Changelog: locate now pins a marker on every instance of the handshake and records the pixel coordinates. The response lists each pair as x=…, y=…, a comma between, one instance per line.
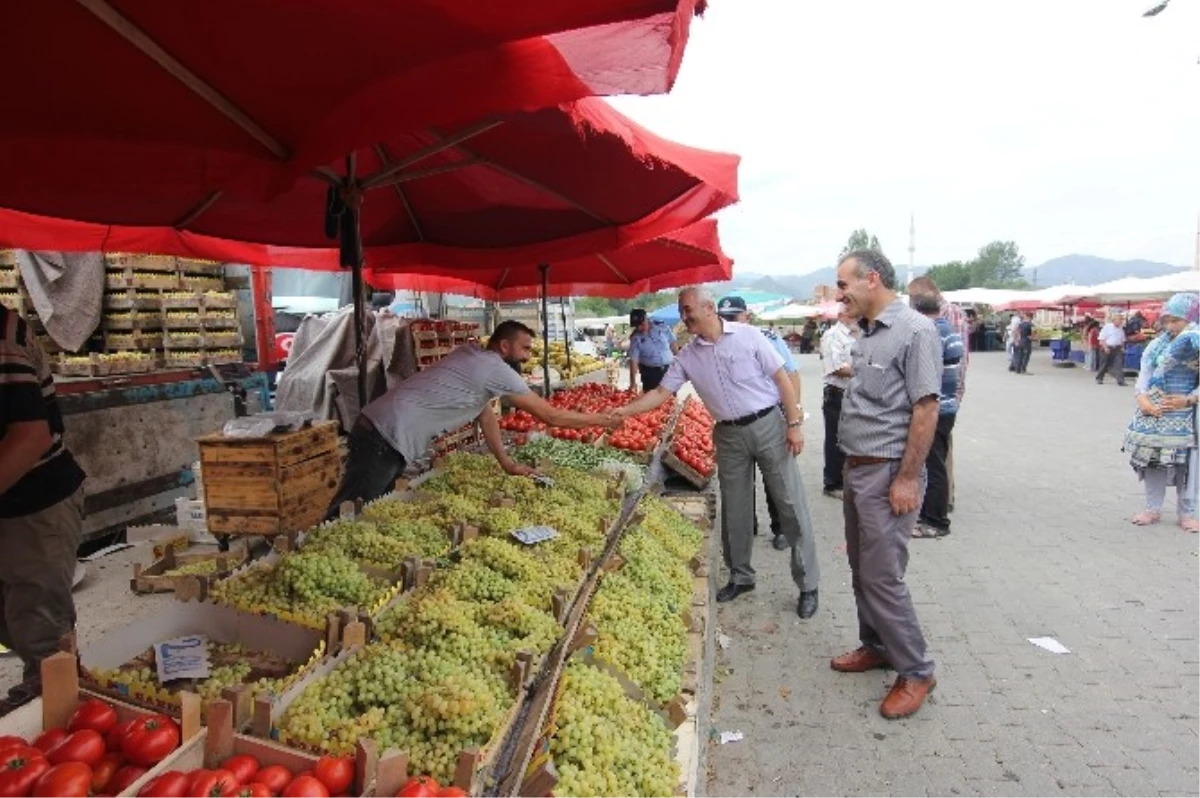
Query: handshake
x=609, y=420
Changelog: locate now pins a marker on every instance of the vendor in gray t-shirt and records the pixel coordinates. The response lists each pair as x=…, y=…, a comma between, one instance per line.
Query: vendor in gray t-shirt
x=397, y=428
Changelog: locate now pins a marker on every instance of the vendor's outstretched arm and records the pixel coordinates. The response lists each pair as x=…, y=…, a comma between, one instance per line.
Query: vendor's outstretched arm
x=645, y=402
x=542, y=410
x=495, y=443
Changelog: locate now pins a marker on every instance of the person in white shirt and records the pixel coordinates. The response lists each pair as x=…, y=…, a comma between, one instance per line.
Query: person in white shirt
x=1112, y=350
x=1014, y=332
x=835, y=355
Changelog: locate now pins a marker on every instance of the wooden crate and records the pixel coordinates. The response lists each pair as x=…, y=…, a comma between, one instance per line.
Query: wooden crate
x=9, y=278
x=153, y=578
x=270, y=485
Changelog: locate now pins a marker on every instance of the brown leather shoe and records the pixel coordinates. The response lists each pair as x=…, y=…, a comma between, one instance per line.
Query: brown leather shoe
x=860, y=660
x=906, y=697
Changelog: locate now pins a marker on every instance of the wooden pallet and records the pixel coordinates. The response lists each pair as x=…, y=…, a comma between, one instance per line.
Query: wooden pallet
x=136, y=340
x=116, y=279
x=115, y=261
x=132, y=299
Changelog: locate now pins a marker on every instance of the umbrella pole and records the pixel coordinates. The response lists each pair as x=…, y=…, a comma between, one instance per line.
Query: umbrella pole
x=351, y=251
x=562, y=305
x=545, y=270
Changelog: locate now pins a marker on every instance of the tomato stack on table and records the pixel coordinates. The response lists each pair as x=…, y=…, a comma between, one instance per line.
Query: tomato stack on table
x=93, y=755
x=243, y=774
x=693, y=443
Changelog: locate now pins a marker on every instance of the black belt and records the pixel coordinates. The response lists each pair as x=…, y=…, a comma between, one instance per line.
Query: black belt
x=750, y=419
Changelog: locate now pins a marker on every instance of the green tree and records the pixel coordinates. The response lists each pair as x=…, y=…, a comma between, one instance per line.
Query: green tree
x=998, y=265
x=860, y=239
x=951, y=276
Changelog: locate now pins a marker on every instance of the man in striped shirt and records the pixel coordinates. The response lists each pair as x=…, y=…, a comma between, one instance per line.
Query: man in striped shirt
x=889, y=415
x=41, y=505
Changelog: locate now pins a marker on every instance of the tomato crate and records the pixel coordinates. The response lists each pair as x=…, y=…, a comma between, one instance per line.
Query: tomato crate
x=62, y=695
x=672, y=461
x=270, y=485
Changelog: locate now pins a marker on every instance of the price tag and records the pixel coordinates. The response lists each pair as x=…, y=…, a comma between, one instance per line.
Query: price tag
x=530, y=535
x=542, y=480
x=182, y=658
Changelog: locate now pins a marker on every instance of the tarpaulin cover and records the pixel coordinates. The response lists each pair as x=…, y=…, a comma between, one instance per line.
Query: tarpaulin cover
x=538, y=187
x=685, y=257
x=134, y=112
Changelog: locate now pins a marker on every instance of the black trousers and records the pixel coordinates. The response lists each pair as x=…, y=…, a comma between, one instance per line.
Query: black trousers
x=935, y=510
x=371, y=469
x=651, y=376
x=1114, y=362
x=1023, y=352
x=835, y=459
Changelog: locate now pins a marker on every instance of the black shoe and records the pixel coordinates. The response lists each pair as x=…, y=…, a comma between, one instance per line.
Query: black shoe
x=833, y=493
x=732, y=591
x=779, y=542
x=807, y=607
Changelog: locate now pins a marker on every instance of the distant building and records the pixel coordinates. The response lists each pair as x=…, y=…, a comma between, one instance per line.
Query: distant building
x=824, y=293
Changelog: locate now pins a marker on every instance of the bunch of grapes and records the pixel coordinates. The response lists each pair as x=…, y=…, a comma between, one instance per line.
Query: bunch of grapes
x=315, y=575
x=676, y=533
x=607, y=744
x=362, y=541
x=641, y=635
x=426, y=702
x=197, y=568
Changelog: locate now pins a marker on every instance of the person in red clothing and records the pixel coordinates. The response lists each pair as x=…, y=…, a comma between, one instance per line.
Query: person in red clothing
x=41, y=506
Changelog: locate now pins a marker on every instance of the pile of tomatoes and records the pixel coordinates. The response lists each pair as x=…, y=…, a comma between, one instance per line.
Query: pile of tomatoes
x=693, y=443
x=243, y=774
x=93, y=755
x=520, y=421
x=427, y=787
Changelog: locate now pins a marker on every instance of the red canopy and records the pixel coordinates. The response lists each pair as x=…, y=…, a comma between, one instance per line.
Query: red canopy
x=521, y=189
x=685, y=257
x=136, y=112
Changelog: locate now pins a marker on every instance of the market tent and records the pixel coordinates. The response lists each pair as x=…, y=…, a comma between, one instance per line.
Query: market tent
x=982, y=296
x=146, y=113
x=797, y=310
x=1046, y=298
x=1135, y=289
x=686, y=256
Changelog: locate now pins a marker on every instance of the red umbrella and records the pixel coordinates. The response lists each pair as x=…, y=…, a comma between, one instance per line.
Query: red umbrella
x=526, y=188
x=138, y=112
x=685, y=257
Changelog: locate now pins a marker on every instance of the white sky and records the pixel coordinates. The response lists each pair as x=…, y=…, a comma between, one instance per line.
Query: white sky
x=1068, y=126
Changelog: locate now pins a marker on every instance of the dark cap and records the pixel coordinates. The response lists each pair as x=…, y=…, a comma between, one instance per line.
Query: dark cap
x=730, y=307
x=637, y=316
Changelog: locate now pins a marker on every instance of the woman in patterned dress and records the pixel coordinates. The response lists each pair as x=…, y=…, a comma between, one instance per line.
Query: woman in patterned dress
x=1161, y=440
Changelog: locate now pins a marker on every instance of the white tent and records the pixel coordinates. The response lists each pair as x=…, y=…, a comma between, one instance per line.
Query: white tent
x=982, y=296
x=792, y=310
x=1134, y=289
x=1052, y=297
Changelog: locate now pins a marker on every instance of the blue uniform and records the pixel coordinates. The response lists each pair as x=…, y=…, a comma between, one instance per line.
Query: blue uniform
x=789, y=363
x=653, y=347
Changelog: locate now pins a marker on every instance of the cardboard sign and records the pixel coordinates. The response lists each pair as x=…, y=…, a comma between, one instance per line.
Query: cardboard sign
x=182, y=658
x=534, y=534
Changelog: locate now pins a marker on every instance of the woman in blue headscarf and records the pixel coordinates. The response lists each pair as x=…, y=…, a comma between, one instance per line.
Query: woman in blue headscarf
x=1161, y=440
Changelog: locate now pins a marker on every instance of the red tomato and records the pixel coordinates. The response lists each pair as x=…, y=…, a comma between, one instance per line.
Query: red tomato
x=420, y=787
x=124, y=778
x=103, y=772
x=305, y=787
x=242, y=766
x=150, y=739
x=255, y=790
x=335, y=772
x=112, y=740
x=67, y=779
x=8, y=741
x=49, y=738
x=94, y=714
x=212, y=783
x=85, y=745
x=452, y=792
x=275, y=777
x=172, y=784
x=20, y=768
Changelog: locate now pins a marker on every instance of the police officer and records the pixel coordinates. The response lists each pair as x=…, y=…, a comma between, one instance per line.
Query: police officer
x=733, y=308
x=652, y=349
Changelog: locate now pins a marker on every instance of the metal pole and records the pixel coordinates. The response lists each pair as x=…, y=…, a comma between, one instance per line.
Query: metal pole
x=352, y=256
x=562, y=304
x=545, y=270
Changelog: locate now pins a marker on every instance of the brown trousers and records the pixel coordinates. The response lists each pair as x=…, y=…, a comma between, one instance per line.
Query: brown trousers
x=37, y=569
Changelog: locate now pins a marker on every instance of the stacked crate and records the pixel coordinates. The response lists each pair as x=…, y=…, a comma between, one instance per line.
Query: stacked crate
x=14, y=295
x=270, y=485
x=434, y=339
x=200, y=328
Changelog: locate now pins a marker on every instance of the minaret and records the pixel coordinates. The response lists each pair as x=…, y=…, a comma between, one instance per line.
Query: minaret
x=912, y=246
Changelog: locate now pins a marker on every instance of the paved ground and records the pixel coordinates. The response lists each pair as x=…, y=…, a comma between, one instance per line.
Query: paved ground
x=1041, y=545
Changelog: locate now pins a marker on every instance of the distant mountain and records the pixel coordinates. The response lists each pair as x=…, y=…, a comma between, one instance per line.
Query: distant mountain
x=1077, y=269
x=1091, y=270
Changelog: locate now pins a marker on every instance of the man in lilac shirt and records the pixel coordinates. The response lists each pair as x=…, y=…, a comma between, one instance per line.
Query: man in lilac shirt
x=741, y=380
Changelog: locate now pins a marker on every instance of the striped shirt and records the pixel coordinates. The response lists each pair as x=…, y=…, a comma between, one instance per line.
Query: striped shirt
x=897, y=362
x=953, y=356
x=27, y=394
x=961, y=325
